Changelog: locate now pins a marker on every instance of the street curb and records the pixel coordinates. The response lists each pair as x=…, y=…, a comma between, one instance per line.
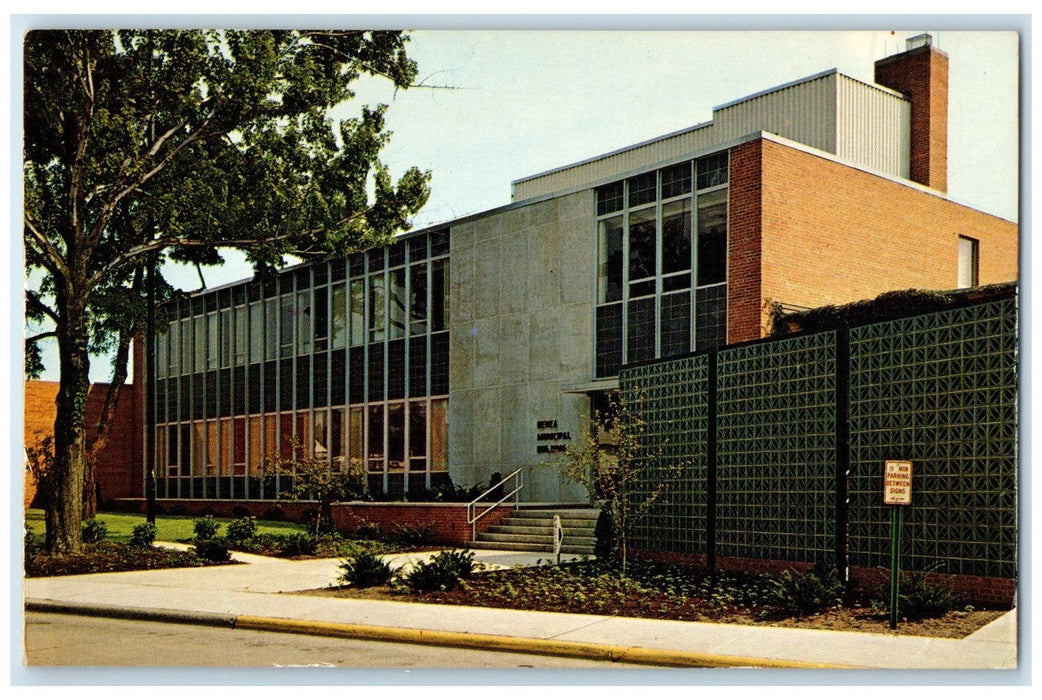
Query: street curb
x=466, y=640
x=184, y=617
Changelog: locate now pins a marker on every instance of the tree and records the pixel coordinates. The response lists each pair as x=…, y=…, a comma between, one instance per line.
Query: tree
x=622, y=470
x=311, y=479
x=177, y=144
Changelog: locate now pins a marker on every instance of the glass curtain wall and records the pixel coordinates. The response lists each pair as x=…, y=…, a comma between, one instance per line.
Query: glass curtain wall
x=661, y=264
x=344, y=361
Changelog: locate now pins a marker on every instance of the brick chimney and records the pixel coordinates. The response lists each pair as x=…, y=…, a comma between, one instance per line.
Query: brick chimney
x=921, y=74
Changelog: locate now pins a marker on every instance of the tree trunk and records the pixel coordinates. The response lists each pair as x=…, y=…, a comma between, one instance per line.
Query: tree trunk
x=108, y=410
x=65, y=513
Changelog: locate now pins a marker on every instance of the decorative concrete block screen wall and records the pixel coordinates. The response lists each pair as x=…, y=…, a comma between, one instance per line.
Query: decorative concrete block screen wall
x=673, y=398
x=768, y=431
x=940, y=390
x=776, y=450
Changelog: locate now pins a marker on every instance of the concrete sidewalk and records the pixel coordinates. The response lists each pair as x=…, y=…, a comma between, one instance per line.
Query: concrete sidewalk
x=260, y=595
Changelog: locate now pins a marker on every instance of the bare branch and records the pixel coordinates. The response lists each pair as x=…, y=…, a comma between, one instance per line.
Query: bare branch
x=52, y=258
x=38, y=305
x=41, y=336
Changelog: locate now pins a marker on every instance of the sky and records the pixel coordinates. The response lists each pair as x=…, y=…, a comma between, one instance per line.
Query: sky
x=497, y=106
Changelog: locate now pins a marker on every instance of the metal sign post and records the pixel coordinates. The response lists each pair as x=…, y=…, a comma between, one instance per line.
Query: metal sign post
x=897, y=492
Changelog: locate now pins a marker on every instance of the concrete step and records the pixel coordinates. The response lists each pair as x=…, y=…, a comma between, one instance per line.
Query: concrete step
x=531, y=529
x=535, y=539
x=586, y=513
x=521, y=529
x=525, y=520
x=527, y=547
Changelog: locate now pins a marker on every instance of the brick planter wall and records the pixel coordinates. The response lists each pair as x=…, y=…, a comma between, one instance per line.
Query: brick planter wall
x=443, y=523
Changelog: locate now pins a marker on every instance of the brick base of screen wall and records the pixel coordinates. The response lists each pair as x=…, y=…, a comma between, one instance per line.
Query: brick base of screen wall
x=971, y=590
x=974, y=590
x=441, y=523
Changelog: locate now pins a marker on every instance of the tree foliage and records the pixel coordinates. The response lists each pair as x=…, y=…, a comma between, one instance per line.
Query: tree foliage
x=178, y=144
x=622, y=470
x=310, y=478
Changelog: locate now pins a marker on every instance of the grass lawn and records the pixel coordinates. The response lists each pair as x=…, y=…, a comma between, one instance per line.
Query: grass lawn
x=169, y=528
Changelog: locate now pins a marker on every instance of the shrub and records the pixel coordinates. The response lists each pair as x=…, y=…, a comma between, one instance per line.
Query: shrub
x=298, y=544
x=364, y=569
x=206, y=528
x=812, y=592
x=241, y=512
x=242, y=530
x=176, y=509
x=93, y=531
x=411, y=535
x=367, y=530
x=33, y=545
x=443, y=572
x=143, y=535
x=917, y=599
x=215, y=549
x=274, y=513
x=604, y=534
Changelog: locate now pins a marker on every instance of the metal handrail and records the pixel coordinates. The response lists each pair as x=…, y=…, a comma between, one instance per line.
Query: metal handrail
x=472, y=517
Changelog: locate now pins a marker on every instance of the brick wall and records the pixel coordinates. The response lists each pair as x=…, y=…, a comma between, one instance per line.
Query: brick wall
x=117, y=469
x=833, y=234
x=745, y=217
x=922, y=75
x=445, y=523
x=974, y=590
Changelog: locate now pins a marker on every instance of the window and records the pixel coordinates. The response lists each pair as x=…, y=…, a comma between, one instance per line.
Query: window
x=396, y=303
x=200, y=343
x=712, y=238
x=376, y=438
x=609, y=269
x=642, y=252
x=162, y=344
x=255, y=444
x=271, y=328
x=676, y=243
x=355, y=439
x=321, y=317
x=186, y=346
x=336, y=437
x=174, y=358
x=357, y=312
x=241, y=338
x=396, y=437
x=417, y=436
x=969, y=262
x=377, y=317
x=440, y=295
x=256, y=332
x=662, y=241
x=320, y=446
x=339, y=331
x=286, y=319
x=302, y=312
x=212, y=452
x=239, y=445
x=418, y=299
x=212, y=338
